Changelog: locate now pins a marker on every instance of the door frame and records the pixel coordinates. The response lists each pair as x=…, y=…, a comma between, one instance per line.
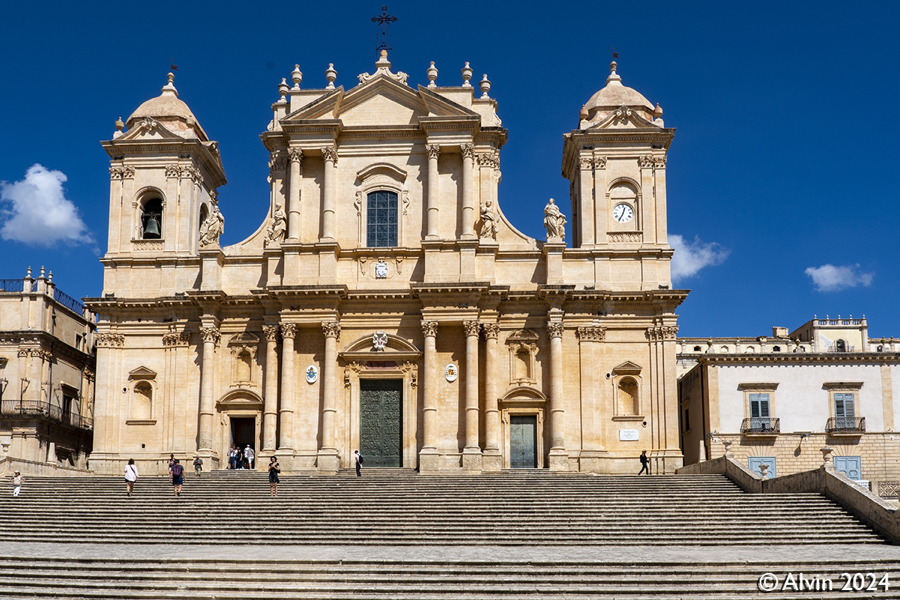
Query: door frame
x=535, y=411
x=401, y=386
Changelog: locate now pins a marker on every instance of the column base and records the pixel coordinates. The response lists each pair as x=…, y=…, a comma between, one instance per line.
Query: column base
x=328, y=461
x=558, y=460
x=491, y=461
x=429, y=460
x=472, y=460
x=592, y=461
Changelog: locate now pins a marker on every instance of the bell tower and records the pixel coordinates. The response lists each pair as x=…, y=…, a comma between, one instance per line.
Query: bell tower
x=616, y=165
x=164, y=173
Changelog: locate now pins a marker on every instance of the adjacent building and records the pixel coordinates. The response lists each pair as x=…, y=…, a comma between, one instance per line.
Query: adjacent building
x=781, y=400
x=386, y=303
x=46, y=377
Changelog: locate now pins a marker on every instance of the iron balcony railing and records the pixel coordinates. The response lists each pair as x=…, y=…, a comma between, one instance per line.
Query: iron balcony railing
x=761, y=425
x=846, y=425
x=68, y=301
x=40, y=409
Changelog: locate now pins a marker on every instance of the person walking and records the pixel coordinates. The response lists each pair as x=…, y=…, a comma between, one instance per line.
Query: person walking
x=274, y=470
x=232, y=457
x=358, y=459
x=198, y=465
x=17, y=483
x=645, y=463
x=177, y=477
x=131, y=475
x=249, y=456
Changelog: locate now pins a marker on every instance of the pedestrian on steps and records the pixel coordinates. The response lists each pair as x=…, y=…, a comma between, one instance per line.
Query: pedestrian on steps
x=645, y=463
x=274, y=470
x=17, y=480
x=177, y=477
x=131, y=475
x=198, y=465
x=249, y=456
x=358, y=459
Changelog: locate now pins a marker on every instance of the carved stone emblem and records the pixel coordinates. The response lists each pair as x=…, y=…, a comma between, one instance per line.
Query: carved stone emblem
x=381, y=270
x=379, y=341
x=451, y=372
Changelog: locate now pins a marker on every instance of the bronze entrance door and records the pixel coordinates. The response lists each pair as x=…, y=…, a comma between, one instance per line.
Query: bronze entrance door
x=380, y=418
x=523, y=441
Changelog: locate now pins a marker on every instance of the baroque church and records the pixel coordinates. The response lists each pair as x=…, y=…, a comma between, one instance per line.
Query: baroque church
x=386, y=303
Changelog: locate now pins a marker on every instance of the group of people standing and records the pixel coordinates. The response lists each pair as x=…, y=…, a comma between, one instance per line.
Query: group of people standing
x=241, y=458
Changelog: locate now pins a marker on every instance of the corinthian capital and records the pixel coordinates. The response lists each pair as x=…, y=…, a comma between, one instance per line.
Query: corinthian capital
x=271, y=332
x=433, y=150
x=295, y=154
x=591, y=334
x=555, y=329
x=491, y=330
x=471, y=327
x=331, y=329
x=429, y=328
x=210, y=334
x=288, y=330
x=329, y=153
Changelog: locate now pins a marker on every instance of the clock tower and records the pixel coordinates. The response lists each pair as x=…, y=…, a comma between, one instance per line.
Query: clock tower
x=616, y=165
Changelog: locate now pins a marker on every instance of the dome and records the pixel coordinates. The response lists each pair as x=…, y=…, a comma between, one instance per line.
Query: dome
x=613, y=96
x=171, y=110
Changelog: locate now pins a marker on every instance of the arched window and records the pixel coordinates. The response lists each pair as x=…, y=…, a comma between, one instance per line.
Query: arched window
x=381, y=219
x=151, y=218
x=628, y=397
x=143, y=401
x=841, y=346
x=696, y=348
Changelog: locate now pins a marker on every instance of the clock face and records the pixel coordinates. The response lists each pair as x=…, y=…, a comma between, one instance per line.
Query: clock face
x=623, y=213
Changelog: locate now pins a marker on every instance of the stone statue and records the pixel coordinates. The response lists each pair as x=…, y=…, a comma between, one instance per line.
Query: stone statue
x=278, y=229
x=554, y=222
x=212, y=228
x=488, y=224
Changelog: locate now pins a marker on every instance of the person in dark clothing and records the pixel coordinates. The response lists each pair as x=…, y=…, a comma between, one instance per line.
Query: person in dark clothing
x=274, y=470
x=177, y=476
x=358, y=459
x=645, y=463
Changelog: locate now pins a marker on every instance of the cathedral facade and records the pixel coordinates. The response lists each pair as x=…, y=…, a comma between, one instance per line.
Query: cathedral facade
x=386, y=303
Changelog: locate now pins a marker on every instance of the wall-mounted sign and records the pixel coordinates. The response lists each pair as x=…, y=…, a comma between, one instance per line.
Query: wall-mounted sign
x=451, y=372
x=381, y=270
x=312, y=374
x=628, y=435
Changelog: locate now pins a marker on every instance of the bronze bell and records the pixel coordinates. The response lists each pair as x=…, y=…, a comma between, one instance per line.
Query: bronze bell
x=151, y=229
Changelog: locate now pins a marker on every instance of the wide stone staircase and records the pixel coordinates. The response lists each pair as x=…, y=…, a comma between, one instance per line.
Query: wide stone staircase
x=403, y=536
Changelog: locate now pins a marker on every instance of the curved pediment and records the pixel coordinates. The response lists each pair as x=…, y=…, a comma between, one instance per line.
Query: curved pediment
x=368, y=346
x=382, y=169
x=240, y=399
x=524, y=395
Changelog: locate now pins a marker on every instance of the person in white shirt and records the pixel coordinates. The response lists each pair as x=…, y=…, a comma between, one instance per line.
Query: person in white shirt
x=249, y=456
x=17, y=483
x=131, y=475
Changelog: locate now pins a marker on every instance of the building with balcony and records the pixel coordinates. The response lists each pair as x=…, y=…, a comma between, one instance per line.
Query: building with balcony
x=779, y=400
x=46, y=377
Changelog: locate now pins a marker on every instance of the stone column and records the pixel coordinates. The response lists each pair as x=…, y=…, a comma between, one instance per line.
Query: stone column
x=468, y=191
x=472, y=450
x=286, y=409
x=429, y=405
x=329, y=458
x=296, y=157
x=329, y=153
x=492, y=460
x=431, y=229
x=558, y=456
x=210, y=336
x=270, y=408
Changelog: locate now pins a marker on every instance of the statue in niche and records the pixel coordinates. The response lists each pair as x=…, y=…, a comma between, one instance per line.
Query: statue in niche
x=278, y=229
x=488, y=224
x=212, y=228
x=554, y=222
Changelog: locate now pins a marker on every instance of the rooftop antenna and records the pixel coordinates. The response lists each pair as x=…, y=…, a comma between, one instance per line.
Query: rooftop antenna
x=383, y=21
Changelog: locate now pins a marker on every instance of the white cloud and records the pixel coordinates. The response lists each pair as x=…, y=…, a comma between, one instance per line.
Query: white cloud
x=40, y=214
x=690, y=257
x=829, y=278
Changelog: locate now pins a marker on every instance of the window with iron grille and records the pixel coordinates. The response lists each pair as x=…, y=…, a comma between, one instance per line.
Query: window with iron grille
x=381, y=219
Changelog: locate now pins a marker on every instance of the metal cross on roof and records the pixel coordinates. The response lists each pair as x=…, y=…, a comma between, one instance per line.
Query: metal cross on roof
x=383, y=21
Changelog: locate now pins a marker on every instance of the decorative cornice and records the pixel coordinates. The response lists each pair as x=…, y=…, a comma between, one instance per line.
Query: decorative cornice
x=593, y=333
x=429, y=328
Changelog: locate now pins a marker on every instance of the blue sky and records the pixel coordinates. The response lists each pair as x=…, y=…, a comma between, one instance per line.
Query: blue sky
x=781, y=178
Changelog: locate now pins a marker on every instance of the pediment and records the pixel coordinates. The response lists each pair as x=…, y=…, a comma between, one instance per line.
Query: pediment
x=522, y=335
x=393, y=345
x=623, y=118
x=627, y=367
x=148, y=128
x=142, y=373
x=243, y=339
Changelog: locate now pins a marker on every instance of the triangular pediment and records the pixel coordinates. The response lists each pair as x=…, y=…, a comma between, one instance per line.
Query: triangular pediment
x=142, y=373
x=627, y=367
x=623, y=118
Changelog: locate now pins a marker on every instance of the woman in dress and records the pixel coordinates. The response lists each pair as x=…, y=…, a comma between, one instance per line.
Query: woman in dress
x=274, y=470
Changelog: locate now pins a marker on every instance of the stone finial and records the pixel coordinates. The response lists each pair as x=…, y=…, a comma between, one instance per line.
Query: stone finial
x=28, y=272
x=50, y=276
x=330, y=76
x=296, y=77
x=485, y=86
x=283, y=89
x=169, y=88
x=120, y=124
x=658, y=111
x=466, y=73
x=613, y=76
x=383, y=62
x=432, y=74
